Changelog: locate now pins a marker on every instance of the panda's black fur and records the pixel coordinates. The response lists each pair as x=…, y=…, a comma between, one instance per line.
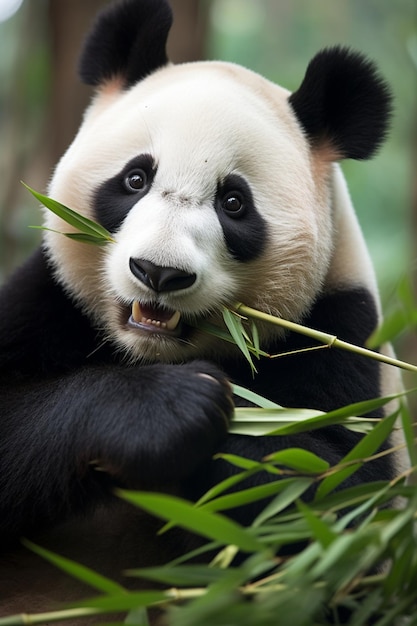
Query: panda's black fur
x=75, y=400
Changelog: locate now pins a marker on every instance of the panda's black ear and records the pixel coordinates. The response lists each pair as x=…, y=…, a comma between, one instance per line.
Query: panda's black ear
x=343, y=104
x=127, y=42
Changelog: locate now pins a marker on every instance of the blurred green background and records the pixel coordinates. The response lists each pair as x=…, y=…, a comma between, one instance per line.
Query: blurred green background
x=41, y=101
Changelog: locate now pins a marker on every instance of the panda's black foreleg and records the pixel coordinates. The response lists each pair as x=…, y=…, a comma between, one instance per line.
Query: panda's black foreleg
x=146, y=427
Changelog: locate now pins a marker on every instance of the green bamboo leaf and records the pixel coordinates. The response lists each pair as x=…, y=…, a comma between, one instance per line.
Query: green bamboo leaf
x=294, y=490
x=205, y=550
x=392, y=326
x=350, y=497
x=76, y=570
x=211, y=329
x=226, y=484
x=303, y=562
x=234, y=325
x=137, y=617
x=224, y=558
x=246, y=496
x=249, y=414
x=300, y=460
x=253, y=428
x=360, y=512
x=321, y=531
x=401, y=519
x=255, y=338
x=365, y=448
x=239, y=461
x=277, y=536
x=260, y=422
x=405, y=292
x=182, y=575
x=244, y=463
x=404, y=557
x=73, y=218
x=408, y=431
x=251, y=467
x=247, y=394
x=355, y=552
x=183, y=513
x=337, y=416
x=402, y=317
x=265, y=422
x=84, y=238
x=81, y=237
x=346, y=557
x=214, y=330
x=244, y=333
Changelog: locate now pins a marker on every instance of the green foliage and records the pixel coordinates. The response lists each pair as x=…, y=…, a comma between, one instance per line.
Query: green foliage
x=402, y=316
x=348, y=534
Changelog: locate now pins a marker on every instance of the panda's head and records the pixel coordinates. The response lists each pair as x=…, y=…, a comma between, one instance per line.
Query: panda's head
x=213, y=181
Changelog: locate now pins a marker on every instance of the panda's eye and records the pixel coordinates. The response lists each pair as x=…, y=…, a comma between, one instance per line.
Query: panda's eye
x=135, y=180
x=232, y=204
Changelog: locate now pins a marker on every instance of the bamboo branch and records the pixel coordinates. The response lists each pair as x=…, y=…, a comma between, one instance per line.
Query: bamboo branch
x=24, y=619
x=331, y=341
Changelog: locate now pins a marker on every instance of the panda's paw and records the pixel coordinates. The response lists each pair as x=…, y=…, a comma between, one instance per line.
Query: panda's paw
x=181, y=417
x=207, y=389
x=194, y=414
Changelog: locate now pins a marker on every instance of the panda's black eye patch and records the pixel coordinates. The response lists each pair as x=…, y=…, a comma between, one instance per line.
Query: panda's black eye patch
x=244, y=229
x=135, y=180
x=116, y=196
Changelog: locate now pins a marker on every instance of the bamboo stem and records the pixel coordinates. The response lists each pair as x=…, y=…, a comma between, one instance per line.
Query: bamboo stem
x=24, y=619
x=330, y=341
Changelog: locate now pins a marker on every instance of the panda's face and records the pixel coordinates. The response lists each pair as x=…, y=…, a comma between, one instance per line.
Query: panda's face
x=205, y=180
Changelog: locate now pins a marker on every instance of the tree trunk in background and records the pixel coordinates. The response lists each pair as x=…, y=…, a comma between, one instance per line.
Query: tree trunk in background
x=69, y=21
x=187, y=38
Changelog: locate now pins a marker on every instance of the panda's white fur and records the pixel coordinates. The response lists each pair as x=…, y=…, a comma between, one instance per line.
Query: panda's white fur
x=190, y=119
x=350, y=260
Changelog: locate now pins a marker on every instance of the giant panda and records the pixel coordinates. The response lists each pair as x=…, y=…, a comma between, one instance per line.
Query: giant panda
x=218, y=187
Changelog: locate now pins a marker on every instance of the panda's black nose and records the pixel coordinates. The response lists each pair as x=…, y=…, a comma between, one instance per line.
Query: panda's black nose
x=160, y=278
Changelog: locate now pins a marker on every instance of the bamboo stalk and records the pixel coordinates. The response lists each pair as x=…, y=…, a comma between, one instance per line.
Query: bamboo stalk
x=24, y=619
x=331, y=341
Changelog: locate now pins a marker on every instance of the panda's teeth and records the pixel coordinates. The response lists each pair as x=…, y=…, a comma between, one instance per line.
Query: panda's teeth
x=136, y=312
x=173, y=322
x=139, y=318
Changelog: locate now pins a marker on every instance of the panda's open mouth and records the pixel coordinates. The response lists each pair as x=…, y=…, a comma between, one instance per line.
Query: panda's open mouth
x=154, y=318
